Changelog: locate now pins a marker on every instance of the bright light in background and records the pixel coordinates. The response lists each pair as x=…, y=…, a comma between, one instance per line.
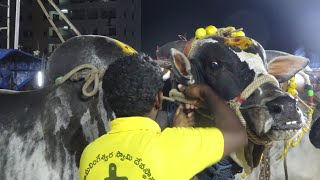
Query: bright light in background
x=65, y=27
x=64, y=10
x=40, y=79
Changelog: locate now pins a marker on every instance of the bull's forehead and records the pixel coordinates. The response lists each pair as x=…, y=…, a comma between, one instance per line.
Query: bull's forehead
x=254, y=62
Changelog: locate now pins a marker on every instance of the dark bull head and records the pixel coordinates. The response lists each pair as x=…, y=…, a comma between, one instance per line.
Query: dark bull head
x=229, y=65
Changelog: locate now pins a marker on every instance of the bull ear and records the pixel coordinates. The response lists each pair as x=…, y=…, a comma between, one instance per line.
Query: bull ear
x=181, y=67
x=272, y=54
x=284, y=67
x=181, y=62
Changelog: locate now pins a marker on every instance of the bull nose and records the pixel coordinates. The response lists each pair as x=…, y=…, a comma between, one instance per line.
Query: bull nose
x=274, y=108
x=283, y=108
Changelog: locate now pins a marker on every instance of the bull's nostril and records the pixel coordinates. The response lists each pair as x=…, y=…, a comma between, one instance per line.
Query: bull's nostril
x=275, y=109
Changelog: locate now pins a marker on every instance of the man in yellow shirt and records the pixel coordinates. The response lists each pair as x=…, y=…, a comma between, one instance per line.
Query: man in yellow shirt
x=136, y=148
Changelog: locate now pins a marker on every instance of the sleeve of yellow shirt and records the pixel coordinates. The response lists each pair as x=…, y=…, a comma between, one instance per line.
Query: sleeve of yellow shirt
x=190, y=150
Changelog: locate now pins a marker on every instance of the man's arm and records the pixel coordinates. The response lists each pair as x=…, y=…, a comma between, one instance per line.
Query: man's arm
x=234, y=133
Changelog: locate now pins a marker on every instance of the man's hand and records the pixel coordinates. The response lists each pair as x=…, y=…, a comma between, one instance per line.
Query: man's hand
x=198, y=92
x=183, y=119
x=234, y=133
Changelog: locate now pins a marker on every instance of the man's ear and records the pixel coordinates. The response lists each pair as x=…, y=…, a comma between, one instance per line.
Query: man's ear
x=284, y=67
x=159, y=100
x=181, y=67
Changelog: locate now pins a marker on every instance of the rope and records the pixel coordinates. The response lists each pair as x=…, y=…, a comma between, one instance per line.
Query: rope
x=285, y=167
x=176, y=96
x=236, y=103
x=92, y=76
x=265, y=164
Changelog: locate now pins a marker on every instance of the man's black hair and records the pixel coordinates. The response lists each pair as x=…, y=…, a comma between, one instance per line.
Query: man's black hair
x=130, y=85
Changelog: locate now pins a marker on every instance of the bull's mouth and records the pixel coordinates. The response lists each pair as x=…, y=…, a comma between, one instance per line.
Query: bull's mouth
x=287, y=126
x=286, y=130
x=277, y=128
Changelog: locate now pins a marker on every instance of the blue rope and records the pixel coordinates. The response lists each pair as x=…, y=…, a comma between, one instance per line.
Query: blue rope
x=220, y=171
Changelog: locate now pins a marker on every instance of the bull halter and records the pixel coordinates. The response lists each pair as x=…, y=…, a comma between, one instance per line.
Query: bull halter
x=238, y=101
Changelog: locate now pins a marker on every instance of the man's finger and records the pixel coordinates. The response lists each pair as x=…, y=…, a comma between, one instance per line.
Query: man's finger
x=179, y=109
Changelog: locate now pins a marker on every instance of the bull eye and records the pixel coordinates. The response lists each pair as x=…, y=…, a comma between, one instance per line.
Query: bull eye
x=214, y=65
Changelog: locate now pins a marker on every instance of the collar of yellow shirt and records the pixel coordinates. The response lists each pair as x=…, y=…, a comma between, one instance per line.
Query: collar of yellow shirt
x=133, y=123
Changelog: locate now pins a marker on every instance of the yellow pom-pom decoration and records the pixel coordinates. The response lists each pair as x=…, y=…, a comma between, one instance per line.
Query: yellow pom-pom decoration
x=211, y=30
x=293, y=92
x=238, y=33
x=200, y=33
x=293, y=85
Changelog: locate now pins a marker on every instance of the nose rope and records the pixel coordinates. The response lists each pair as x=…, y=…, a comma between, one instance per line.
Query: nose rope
x=237, y=102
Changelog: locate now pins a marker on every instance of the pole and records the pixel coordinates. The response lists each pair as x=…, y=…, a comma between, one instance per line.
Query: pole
x=17, y=24
x=8, y=25
x=50, y=20
x=64, y=17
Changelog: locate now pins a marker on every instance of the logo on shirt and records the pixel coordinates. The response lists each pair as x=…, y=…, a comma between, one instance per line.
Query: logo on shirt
x=113, y=173
x=124, y=157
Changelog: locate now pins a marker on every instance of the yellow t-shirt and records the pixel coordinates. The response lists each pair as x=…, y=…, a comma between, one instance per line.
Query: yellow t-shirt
x=135, y=148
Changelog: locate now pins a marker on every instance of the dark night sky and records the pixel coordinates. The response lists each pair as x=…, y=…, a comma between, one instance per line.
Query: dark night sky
x=285, y=25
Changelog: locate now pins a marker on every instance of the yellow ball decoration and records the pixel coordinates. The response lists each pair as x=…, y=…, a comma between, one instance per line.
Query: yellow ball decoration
x=238, y=34
x=211, y=30
x=293, y=85
x=200, y=33
x=293, y=92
